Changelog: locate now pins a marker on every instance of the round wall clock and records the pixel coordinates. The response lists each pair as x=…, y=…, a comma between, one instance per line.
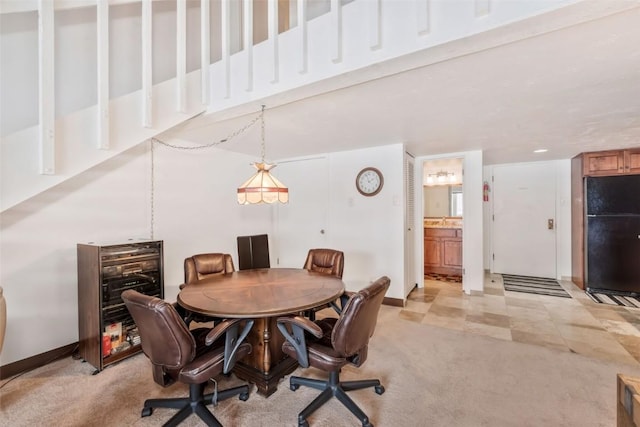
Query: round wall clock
x=369, y=181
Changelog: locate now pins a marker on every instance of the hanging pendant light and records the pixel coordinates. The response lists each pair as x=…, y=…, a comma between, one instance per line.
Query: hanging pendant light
x=262, y=187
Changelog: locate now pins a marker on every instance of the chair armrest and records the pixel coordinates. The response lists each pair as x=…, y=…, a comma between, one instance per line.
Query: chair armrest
x=233, y=339
x=298, y=325
x=218, y=330
x=344, y=298
x=303, y=323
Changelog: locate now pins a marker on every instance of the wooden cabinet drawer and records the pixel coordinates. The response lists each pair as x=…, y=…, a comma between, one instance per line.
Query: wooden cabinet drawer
x=440, y=232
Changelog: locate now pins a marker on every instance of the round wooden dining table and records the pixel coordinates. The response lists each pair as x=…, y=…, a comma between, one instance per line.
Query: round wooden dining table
x=263, y=295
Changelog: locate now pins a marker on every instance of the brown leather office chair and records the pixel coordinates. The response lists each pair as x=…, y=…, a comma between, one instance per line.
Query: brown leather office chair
x=191, y=357
x=330, y=344
x=325, y=261
x=201, y=266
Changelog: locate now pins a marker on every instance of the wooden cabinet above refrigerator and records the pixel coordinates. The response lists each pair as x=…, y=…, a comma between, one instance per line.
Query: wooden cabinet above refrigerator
x=614, y=162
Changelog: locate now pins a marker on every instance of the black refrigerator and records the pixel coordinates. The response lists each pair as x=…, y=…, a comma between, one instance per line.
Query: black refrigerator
x=613, y=234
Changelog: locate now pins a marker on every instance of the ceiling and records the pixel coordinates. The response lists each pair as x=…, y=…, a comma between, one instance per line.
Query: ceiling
x=571, y=90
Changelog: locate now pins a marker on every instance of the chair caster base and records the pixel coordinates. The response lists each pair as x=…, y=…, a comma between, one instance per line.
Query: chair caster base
x=146, y=412
x=243, y=396
x=379, y=389
x=294, y=387
x=303, y=423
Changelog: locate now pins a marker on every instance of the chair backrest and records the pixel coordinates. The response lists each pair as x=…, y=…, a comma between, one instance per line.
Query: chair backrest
x=200, y=266
x=164, y=337
x=327, y=261
x=358, y=320
x=253, y=252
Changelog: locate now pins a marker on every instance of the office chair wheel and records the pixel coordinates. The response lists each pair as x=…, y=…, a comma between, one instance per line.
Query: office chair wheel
x=379, y=389
x=303, y=423
x=294, y=387
x=243, y=396
x=146, y=412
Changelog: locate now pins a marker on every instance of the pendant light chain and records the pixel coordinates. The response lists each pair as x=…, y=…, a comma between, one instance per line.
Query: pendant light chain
x=215, y=143
x=194, y=147
x=262, y=132
x=152, y=190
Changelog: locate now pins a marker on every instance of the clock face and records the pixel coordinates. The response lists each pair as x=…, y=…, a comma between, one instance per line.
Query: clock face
x=369, y=181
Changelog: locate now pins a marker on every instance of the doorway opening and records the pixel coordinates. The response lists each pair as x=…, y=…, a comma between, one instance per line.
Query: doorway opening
x=442, y=181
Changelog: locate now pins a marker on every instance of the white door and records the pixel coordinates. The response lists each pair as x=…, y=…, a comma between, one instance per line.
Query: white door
x=524, y=229
x=409, y=224
x=301, y=224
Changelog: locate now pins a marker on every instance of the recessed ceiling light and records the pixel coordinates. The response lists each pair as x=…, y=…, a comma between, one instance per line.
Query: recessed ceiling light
x=540, y=150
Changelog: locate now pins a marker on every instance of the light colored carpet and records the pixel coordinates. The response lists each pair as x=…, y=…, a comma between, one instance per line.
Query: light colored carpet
x=432, y=376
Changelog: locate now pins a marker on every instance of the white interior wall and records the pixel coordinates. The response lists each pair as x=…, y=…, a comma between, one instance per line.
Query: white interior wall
x=472, y=232
x=563, y=218
x=486, y=218
x=195, y=211
x=75, y=70
x=125, y=24
x=370, y=230
x=38, y=248
x=19, y=82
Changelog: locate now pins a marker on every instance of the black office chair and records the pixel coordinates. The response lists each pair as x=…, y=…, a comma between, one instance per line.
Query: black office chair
x=253, y=252
x=190, y=357
x=330, y=344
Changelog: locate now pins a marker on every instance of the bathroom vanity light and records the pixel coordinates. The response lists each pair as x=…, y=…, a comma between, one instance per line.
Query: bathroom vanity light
x=441, y=177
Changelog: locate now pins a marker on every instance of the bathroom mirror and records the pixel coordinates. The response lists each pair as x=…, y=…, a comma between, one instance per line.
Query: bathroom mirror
x=442, y=200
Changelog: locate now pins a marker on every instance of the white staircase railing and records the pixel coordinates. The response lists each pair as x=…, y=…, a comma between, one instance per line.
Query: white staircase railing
x=145, y=59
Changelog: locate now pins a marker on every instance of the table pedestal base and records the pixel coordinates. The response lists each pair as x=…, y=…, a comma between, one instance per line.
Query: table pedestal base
x=267, y=383
x=266, y=364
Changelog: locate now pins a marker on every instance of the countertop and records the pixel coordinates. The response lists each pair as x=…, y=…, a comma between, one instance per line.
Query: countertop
x=443, y=222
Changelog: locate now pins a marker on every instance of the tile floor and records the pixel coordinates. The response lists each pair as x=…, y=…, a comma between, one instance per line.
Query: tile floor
x=574, y=324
